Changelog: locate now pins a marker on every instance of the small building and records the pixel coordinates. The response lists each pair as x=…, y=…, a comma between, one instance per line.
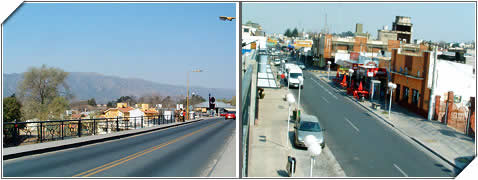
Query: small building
x=410, y=71
x=124, y=112
x=111, y=113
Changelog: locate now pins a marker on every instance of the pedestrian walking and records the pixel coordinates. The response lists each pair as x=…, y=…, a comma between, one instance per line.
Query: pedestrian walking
x=282, y=78
x=184, y=115
x=181, y=115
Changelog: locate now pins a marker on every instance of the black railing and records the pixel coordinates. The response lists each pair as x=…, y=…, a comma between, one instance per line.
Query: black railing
x=20, y=133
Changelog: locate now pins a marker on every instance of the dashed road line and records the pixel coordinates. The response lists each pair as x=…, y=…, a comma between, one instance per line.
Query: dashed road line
x=324, y=88
x=351, y=124
x=401, y=171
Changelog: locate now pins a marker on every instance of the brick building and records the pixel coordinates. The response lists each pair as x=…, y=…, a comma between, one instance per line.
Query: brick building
x=410, y=72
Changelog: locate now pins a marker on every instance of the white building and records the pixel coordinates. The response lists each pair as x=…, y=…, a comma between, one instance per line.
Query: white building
x=457, y=77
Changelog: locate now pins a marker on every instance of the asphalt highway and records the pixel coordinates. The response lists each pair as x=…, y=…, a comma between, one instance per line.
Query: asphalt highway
x=184, y=151
x=364, y=145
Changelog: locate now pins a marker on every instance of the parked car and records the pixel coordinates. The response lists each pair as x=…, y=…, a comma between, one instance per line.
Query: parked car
x=308, y=125
x=231, y=115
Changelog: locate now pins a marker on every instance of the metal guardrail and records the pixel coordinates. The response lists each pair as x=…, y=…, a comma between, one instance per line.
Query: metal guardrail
x=20, y=133
x=246, y=101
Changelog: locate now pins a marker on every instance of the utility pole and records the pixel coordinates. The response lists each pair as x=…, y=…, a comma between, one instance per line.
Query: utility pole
x=432, y=89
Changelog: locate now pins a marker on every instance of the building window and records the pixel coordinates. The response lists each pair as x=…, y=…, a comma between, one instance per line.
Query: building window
x=405, y=94
x=415, y=96
x=246, y=29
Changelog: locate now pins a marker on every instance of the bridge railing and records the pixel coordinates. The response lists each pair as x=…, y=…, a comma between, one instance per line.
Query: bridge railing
x=20, y=133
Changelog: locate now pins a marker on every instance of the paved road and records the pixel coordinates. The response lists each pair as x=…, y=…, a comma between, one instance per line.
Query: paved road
x=363, y=145
x=183, y=151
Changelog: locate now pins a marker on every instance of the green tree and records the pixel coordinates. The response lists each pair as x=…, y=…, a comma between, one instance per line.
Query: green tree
x=40, y=86
x=193, y=100
x=127, y=99
x=295, y=33
x=110, y=104
x=57, y=108
x=92, y=102
x=287, y=33
x=168, y=102
x=11, y=109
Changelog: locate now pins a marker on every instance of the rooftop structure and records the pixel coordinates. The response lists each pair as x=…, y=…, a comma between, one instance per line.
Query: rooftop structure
x=403, y=27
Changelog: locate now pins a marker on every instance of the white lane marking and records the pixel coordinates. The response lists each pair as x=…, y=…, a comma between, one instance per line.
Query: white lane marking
x=355, y=127
x=325, y=99
x=405, y=174
x=324, y=88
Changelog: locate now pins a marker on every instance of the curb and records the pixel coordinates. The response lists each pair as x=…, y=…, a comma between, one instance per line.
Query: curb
x=412, y=138
x=87, y=142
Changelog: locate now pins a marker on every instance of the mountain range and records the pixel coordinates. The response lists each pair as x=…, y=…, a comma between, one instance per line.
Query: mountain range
x=87, y=85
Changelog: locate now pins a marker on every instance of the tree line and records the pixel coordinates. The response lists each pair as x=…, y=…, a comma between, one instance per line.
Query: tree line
x=293, y=33
x=44, y=95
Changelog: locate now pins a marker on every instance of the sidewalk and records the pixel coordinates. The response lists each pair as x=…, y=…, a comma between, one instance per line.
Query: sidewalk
x=454, y=147
x=269, y=147
x=226, y=164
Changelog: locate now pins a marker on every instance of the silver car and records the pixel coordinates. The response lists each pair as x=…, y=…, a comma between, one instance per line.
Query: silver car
x=308, y=125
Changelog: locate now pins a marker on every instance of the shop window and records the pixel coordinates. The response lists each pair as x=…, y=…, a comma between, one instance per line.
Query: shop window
x=415, y=96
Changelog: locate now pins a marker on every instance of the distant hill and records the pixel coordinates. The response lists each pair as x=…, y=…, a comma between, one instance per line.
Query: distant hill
x=106, y=88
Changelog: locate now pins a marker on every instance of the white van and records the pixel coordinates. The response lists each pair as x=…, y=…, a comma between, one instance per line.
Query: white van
x=293, y=74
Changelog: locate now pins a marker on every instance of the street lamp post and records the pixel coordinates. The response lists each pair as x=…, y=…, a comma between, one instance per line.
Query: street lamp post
x=301, y=82
x=328, y=69
x=391, y=86
x=290, y=100
x=314, y=150
x=351, y=71
x=187, y=96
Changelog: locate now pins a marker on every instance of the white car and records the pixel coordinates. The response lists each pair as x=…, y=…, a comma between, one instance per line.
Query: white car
x=293, y=75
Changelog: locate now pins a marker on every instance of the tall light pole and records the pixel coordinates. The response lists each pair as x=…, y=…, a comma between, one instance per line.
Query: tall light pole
x=290, y=100
x=301, y=82
x=314, y=150
x=187, y=96
x=391, y=86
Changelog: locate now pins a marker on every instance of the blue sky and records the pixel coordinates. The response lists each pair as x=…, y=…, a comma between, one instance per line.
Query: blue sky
x=153, y=41
x=431, y=21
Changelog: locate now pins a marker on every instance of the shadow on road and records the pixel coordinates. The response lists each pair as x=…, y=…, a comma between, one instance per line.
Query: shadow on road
x=462, y=162
x=447, y=133
x=282, y=173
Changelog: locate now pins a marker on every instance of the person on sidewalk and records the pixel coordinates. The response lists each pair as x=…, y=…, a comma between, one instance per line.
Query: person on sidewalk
x=181, y=117
x=184, y=116
x=282, y=79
